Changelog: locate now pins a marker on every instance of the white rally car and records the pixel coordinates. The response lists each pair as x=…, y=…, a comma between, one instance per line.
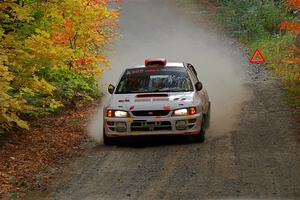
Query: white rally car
x=158, y=98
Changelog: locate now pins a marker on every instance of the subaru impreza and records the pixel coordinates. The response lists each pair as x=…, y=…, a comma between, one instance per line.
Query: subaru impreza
x=157, y=98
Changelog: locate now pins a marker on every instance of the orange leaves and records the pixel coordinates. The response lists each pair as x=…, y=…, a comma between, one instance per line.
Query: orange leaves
x=292, y=60
x=293, y=27
x=83, y=61
x=289, y=26
x=77, y=11
x=62, y=33
x=294, y=3
x=60, y=38
x=89, y=60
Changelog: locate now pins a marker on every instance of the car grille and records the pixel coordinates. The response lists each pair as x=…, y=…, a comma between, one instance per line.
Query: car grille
x=151, y=113
x=151, y=126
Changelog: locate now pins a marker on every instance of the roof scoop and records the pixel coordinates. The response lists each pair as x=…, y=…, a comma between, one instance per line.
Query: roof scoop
x=151, y=95
x=158, y=62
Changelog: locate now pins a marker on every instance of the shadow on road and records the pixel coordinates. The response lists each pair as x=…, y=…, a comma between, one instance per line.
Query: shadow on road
x=153, y=141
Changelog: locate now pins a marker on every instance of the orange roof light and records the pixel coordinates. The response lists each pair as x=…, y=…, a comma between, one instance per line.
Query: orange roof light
x=160, y=62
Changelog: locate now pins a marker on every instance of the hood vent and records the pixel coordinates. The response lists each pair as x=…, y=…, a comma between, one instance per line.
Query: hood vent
x=151, y=95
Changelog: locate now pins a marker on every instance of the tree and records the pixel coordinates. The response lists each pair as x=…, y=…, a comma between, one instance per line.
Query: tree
x=51, y=53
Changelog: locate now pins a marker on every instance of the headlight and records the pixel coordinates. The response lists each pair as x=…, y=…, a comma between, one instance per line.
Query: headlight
x=181, y=112
x=185, y=111
x=116, y=113
x=119, y=113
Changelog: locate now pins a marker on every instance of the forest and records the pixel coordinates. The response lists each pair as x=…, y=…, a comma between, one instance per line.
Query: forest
x=51, y=55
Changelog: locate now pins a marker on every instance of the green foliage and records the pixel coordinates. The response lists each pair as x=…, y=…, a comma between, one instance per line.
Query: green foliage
x=274, y=49
x=253, y=19
x=70, y=86
x=271, y=45
x=256, y=23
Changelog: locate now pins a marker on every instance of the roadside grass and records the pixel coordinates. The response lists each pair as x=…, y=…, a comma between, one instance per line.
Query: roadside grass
x=255, y=24
x=277, y=51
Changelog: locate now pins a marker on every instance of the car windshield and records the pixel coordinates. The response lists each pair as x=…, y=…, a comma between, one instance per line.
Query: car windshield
x=144, y=80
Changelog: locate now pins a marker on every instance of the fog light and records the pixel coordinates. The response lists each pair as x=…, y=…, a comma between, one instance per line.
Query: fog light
x=181, y=125
x=110, y=123
x=121, y=127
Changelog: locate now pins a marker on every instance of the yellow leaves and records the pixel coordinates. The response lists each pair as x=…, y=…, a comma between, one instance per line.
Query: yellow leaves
x=27, y=90
x=42, y=85
x=4, y=73
x=9, y=117
x=49, y=35
x=10, y=7
x=9, y=105
x=45, y=52
x=42, y=33
x=55, y=104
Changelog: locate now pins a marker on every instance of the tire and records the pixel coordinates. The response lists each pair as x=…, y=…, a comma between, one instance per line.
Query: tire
x=107, y=140
x=201, y=136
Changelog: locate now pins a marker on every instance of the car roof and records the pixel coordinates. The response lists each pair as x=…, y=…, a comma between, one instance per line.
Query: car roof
x=169, y=64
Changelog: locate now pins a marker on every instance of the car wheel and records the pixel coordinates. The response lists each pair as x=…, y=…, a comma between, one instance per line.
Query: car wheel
x=200, y=137
x=107, y=140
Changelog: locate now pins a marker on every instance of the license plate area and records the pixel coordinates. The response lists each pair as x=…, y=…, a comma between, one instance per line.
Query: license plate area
x=144, y=125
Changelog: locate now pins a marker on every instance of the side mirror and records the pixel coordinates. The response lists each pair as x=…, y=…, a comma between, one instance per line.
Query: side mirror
x=198, y=86
x=111, y=89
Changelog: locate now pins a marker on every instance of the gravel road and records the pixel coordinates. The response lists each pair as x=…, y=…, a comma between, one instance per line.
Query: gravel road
x=252, y=149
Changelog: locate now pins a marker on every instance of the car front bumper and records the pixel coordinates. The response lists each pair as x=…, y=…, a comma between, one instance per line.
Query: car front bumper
x=143, y=126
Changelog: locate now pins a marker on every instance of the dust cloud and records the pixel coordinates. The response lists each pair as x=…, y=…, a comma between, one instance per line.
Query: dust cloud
x=159, y=28
x=95, y=126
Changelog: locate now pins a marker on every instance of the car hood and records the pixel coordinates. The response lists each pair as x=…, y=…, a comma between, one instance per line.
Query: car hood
x=149, y=101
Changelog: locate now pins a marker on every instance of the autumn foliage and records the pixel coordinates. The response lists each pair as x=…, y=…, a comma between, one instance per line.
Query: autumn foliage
x=51, y=53
x=273, y=27
x=291, y=26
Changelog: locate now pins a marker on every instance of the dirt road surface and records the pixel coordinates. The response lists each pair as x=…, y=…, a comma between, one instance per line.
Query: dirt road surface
x=252, y=149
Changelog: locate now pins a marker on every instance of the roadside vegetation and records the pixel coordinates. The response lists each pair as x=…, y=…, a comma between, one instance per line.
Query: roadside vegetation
x=51, y=54
x=271, y=26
